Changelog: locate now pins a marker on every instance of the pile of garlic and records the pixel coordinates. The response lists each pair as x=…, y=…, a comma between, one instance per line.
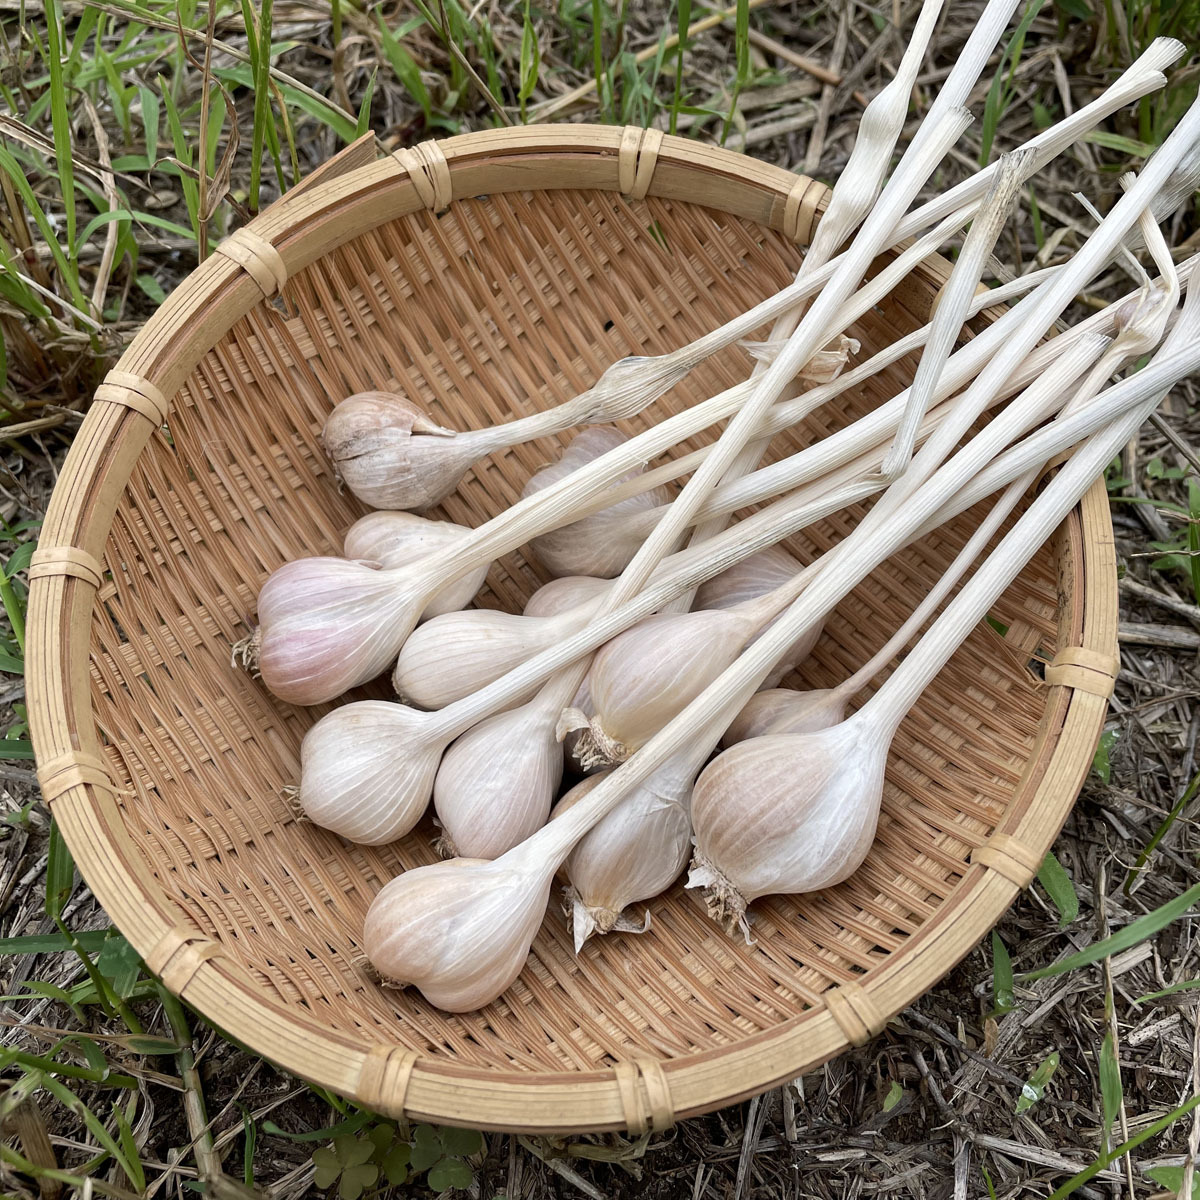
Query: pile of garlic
x=645, y=673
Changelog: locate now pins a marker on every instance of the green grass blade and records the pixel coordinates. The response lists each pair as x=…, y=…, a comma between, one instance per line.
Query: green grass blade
x=1184, y=985
x=1059, y=888
x=52, y=12
x=683, y=21
x=1131, y=935
x=1002, y=977
x=1153, y=1130
x=364, y=110
x=1161, y=832
x=404, y=67
x=1110, y=1084
x=129, y=1147
x=60, y=874
x=51, y=943
x=531, y=61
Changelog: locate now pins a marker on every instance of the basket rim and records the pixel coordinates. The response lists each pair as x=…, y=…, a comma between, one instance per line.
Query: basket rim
x=387, y=1076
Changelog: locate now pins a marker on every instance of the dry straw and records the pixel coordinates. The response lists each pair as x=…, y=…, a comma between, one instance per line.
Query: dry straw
x=164, y=766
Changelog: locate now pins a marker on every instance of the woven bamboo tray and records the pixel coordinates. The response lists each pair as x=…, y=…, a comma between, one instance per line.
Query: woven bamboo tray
x=489, y=275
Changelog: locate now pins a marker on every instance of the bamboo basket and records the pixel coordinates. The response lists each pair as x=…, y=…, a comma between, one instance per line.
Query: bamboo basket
x=487, y=275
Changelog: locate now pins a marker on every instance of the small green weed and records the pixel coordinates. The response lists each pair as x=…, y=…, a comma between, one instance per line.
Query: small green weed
x=1035, y=1087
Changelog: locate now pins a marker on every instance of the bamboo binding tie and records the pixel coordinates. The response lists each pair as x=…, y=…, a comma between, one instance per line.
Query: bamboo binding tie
x=800, y=209
x=855, y=1012
x=637, y=157
x=1009, y=857
x=178, y=955
x=73, y=769
x=132, y=391
x=1085, y=670
x=260, y=260
x=48, y=561
x=383, y=1080
x=645, y=1095
x=429, y=172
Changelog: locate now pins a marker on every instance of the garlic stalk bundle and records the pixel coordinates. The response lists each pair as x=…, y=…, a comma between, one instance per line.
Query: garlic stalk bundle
x=796, y=813
x=393, y=539
x=454, y=655
x=633, y=854
x=603, y=543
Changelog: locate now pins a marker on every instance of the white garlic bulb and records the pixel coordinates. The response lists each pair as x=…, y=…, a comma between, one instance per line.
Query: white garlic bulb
x=603, y=544
x=459, y=930
x=497, y=782
x=647, y=675
x=565, y=593
x=353, y=781
x=633, y=854
x=786, y=813
x=784, y=710
x=455, y=655
x=391, y=455
x=747, y=580
x=393, y=539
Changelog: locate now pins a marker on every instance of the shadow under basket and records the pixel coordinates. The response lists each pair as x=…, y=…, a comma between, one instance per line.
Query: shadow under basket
x=488, y=276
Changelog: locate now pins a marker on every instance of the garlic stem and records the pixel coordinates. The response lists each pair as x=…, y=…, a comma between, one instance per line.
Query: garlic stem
x=954, y=300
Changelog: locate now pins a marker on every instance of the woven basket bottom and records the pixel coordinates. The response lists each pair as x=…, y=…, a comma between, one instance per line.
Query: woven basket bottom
x=499, y=306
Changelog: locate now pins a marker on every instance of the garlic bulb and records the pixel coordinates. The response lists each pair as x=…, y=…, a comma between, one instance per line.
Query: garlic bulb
x=458, y=930
x=497, y=782
x=602, y=544
x=647, y=675
x=633, y=854
x=785, y=813
x=565, y=593
x=388, y=452
x=352, y=780
x=456, y=654
x=393, y=539
x=784, y=710
x=747, y=580
x=321, y=624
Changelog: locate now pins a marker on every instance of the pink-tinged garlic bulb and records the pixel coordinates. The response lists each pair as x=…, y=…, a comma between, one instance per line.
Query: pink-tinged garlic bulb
x=355, y=783
x=325, y=625
x=394, y=539
x=784, y=814
x=633, y=854
x=784, y=710
x=747, y=580
x=388, y=452
x=603, y=544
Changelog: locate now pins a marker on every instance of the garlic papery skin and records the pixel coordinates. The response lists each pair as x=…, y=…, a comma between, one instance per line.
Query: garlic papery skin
x=602, y=544
x=633, y=854
x=326, y=625
x=784, y=814
x=497, y=782
x=786, y=710
x=366, y=770
x=565, y=593
x=460, y=930
x=455, y=655
x=394, y=539
x=389, y=453
x=645, y=676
